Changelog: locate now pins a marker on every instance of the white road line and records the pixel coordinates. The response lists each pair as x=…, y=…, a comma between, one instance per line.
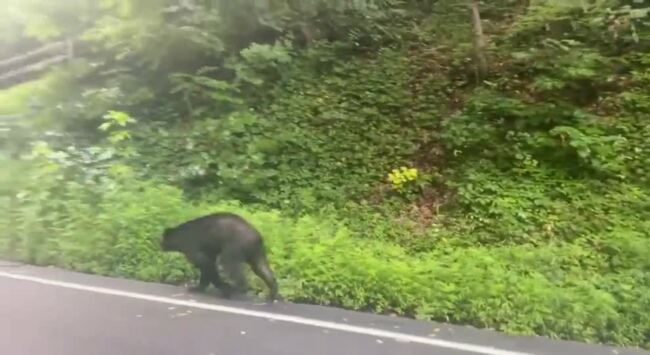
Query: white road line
x=478, y=349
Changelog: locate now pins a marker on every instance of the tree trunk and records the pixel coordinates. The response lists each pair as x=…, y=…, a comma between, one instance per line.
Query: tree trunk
x=479, y=43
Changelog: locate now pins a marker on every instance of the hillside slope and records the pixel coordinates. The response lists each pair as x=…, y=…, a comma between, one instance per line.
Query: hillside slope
x=385, y=175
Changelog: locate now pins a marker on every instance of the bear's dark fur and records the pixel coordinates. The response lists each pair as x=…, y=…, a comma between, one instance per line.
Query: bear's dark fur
x=225, y=236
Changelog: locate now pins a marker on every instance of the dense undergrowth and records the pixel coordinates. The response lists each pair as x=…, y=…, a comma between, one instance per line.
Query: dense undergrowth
x=382, y=173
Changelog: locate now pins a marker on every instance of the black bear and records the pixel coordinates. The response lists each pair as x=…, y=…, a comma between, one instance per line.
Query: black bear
x=225, y=236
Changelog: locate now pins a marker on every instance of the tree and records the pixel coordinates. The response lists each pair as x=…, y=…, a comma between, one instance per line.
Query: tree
x=480, y=57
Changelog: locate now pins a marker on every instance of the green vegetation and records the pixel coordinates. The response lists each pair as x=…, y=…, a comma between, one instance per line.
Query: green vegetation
x=15, y=99
x=385, y=172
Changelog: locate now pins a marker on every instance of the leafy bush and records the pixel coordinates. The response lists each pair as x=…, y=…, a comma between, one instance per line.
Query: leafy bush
x=561, y=290
x=307, y=147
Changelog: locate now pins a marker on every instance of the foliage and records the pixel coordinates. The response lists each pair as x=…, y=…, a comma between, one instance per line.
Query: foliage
x=286, y=153
x=558, y=289
x=523, y=204
x=398, y=177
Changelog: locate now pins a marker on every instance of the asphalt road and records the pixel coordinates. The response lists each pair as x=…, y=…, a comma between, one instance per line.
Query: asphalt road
x=47, y=311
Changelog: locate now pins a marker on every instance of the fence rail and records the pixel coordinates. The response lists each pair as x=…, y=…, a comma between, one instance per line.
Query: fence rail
x=20, y=68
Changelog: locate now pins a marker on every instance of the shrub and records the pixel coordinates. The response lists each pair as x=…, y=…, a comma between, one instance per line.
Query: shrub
x=562, y=290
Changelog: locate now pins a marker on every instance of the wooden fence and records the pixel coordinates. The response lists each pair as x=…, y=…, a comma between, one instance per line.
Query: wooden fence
x=24, y=67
